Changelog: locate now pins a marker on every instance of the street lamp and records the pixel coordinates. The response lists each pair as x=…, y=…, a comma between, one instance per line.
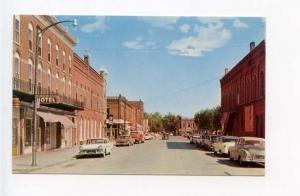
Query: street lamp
x=38, y=39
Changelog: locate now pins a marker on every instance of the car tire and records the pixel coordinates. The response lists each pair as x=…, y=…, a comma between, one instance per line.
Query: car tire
x=241, y=163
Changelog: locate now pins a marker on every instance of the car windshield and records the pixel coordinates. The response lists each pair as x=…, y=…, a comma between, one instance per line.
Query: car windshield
x=229, y=139
x=95, y=141
x=254, y=143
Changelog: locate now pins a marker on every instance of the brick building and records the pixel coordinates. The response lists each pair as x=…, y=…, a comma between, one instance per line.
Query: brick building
x=54, y=80
x=127, y=115
x=243, y=95
x=70, y=91
x=187, y=125
x=89, y=90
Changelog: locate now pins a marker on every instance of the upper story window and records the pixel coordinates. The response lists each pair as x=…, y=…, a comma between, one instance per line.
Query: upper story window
x=17, y=65
x=30, y=69
x=57, y=83
x=30, y=36
x=262, y=83
x=17, y=29
x=70, y=64
x=56, y=55
x=40, y=42
x=64, y=60
x=49, y=81
x=49, y=50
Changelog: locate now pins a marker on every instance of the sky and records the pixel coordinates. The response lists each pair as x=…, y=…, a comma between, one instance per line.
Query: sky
x=173, y=64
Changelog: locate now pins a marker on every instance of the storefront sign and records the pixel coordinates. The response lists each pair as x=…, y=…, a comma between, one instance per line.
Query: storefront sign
x=48, y=100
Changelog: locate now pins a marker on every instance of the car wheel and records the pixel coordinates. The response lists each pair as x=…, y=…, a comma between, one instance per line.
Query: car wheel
x=241, y=161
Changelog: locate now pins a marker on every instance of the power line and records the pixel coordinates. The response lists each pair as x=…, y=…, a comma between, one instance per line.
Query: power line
x=183, y=89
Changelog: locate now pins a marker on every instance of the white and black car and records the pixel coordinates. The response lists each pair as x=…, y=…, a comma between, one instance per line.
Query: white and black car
x=93, y=147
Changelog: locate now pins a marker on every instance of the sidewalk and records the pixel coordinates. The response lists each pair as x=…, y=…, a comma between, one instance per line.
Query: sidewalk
x=22, y=164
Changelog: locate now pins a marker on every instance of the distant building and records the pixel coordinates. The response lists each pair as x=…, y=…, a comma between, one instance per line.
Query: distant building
x=187, y=125
x=243, y=95
x=127, y=116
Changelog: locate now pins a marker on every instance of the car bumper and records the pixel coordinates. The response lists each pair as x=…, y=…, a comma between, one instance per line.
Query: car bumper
x=254, y=160
x=123, y=144
x=90, y=153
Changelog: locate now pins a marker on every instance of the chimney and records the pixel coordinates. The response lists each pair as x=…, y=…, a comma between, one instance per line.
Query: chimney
x=252, y=45
x=226, y=71
x=86, y=59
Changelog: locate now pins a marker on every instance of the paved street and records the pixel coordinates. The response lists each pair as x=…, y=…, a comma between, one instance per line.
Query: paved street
x=173, y=157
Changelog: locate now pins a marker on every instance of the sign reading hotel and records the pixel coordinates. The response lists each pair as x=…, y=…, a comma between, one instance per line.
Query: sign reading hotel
x=48, y=100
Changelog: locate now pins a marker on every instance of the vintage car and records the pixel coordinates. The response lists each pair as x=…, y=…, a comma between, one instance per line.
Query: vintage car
x=138, y=136
x=223, y=143
x=98, y=146
x=248, y=149
x=125, y=140
x=194, y=138
x=149, y=136
x=199, y=140
x=208, y=141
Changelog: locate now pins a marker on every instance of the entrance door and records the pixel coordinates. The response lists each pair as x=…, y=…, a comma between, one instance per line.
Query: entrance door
x=53, y=133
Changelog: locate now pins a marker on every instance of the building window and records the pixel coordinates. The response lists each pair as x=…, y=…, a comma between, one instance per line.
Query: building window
x=262, y=83
x=30, y=69
x=64, y=86
x=57, y=83
x=39, y=78
x=39, y=42
x=30, y=36
x=17, y=28
x=56, y=55
x=49, y=51
x=17, y=65
x=70, y=88
x=64, y=60
x=70, y=64
x=28, y=129
x=49, y=81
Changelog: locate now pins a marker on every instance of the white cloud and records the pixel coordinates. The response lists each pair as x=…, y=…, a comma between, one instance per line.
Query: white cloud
x=138, y=44
x=237, y=23
x=184, y=28
x=212, y=22
x=207, y=39
x=159, y=21
x=99, y=24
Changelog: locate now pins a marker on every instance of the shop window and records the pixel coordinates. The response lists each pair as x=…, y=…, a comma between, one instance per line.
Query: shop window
x=28, y=130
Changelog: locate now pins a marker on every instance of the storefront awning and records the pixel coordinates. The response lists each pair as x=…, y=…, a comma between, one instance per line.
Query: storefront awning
x=50, y=117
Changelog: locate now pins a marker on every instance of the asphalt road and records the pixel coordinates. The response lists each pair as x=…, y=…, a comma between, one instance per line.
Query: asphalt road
x=156, y=157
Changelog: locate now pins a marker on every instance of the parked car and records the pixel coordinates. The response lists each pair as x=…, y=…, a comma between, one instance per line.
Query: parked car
x=194, y=138
x=248, y=149
x=199, y=140
x=208, y=141
x=223, y=143
x=138, y=136
x=149, y=136
x=125, y=140
x=98, y=146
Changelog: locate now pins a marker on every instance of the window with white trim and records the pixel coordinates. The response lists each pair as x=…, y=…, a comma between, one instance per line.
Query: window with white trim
x=56, y=55
x=17, y=29
x=30, y=36
x=70, y=64
x=17, y=65
x=49, y=50
x=64, y=60
x=57, y=83
x=40, y=42
x=30, y=69
x=39, y=78
x=49, y=81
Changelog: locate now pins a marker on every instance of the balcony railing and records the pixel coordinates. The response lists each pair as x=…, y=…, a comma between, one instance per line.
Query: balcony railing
x=27, y=87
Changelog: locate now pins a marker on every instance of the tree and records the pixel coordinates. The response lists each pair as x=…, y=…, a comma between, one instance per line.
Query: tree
x=155, y=121
x=208, y=119
x=171, y=123
x=216, y=118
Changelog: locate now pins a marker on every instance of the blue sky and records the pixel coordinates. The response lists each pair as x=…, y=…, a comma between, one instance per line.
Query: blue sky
x=173, y=64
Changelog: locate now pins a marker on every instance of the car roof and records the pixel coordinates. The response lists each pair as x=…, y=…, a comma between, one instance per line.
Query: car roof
x=230, y=136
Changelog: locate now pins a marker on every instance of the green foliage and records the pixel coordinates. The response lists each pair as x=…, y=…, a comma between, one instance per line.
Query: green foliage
x=209, y=119
x=171, y=123
x=155, y=121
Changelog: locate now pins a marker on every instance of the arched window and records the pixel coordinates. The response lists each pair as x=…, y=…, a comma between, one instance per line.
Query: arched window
x=64, y=60
x=49, y=50
x=17, y=65
x=57, y=83
x=30, y=36
x=39, y=78
x=70, y=64
x=64, y=85
x=70, y=88
x=56, y=55
x=40, y=42
x=30, y=70
x=49, y=81
x=17, y=29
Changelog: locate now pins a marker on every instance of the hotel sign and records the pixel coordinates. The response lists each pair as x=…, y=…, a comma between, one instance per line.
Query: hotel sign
x=48, y=100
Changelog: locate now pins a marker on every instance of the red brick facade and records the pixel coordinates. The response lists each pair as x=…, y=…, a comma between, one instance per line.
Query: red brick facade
x=243, y=95
x=187, y=125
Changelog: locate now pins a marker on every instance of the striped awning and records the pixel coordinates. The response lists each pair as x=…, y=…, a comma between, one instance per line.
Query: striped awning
x=50, y=117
